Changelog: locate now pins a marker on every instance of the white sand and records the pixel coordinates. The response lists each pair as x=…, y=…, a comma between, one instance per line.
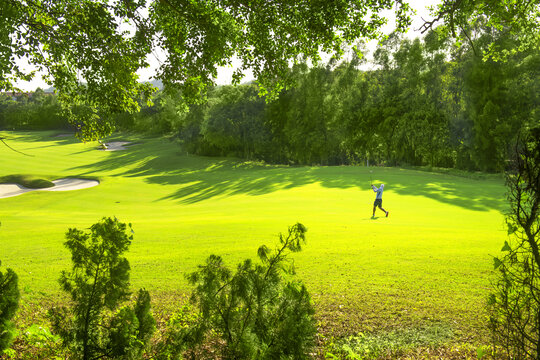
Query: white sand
x=9, y=190
x=116, y=145
x=71, y=184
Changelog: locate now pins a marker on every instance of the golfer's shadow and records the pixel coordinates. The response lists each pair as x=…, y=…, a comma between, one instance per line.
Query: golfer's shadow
x=373, y=217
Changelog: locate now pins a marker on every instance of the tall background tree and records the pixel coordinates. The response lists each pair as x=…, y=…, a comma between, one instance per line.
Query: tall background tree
x=518, y=18
x=515, y=302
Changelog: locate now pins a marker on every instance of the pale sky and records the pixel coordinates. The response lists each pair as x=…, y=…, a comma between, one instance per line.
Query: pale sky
x=225, y=73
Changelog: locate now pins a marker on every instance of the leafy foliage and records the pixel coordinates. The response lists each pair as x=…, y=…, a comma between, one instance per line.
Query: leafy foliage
x=39, y=112
x=40, y=342
x=426, y=103
x=9, y=302
x=515, y=302
x=92, y=49
x=393, y=343
x=256, y=312
x=518, y=18
x=94, y=326
x=235, y=124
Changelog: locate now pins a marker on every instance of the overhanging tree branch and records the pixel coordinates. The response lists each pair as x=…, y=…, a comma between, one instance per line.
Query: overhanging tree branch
x=17, y=151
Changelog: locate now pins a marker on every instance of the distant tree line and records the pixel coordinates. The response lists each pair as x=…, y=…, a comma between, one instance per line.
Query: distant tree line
x=31, y=111
x=418, y=108
x=422, y=102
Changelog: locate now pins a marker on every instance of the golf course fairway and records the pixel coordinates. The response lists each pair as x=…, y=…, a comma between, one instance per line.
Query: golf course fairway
x=429, y=262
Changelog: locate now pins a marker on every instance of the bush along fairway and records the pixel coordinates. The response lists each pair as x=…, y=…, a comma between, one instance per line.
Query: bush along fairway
x=423, y=270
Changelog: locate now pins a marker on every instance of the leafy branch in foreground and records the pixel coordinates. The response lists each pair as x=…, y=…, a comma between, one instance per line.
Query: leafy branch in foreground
x=515, y=302
x=257, y=312
x=94, y=326
x=91, y=50
x=9, y=301
x=517, y=18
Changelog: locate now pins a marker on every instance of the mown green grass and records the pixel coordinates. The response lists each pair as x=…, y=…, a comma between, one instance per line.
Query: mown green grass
x=428, y=262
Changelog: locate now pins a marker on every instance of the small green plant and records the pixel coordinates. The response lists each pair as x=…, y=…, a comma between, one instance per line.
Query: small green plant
x=375, y=345
x=480, y=352
x=38, y=341
x=39, y=335
x=179, y=335
x=257, y=312
x=95, y=326
x=9, y=301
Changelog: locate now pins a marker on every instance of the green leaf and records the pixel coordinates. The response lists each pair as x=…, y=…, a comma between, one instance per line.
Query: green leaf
x=263, y=253
x=506, y=247
x=480, y=352
x=496, y=263
x=511, y=228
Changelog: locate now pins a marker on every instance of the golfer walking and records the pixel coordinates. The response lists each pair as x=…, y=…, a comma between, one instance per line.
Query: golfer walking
x=378, y=199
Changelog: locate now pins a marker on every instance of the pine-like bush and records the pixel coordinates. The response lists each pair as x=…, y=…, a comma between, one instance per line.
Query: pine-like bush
x=258, y=311
x=9, y=301
x=94, y=325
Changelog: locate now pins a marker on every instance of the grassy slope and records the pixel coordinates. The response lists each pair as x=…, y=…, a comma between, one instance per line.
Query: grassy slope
x=428, y=262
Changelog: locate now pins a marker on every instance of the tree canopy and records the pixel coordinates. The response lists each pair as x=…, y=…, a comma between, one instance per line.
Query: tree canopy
x=516, y=17
x=90, y=50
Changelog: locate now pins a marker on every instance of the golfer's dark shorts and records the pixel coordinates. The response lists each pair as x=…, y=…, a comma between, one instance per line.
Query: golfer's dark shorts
x=378, y=202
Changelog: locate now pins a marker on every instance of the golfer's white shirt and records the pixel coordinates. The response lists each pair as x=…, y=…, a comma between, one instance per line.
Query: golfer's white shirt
x=378, y=191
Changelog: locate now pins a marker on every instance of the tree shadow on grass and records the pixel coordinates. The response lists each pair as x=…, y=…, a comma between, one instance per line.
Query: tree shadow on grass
x=226, y=180
x=474, y=194
x=202, y=178
x=31, y=144
x=39, y=136
x=36, y=139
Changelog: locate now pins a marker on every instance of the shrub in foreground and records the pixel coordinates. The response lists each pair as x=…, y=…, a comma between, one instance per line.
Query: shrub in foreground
x=9, y=301
x=256, y=312
x=94, y=325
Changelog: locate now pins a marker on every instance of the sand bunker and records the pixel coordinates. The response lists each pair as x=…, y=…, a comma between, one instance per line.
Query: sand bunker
x=71, y=184
x=9, y=190
x=116, y=145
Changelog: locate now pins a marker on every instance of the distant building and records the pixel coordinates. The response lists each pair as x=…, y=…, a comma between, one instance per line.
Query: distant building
x=14, y=95
x=11, y=94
